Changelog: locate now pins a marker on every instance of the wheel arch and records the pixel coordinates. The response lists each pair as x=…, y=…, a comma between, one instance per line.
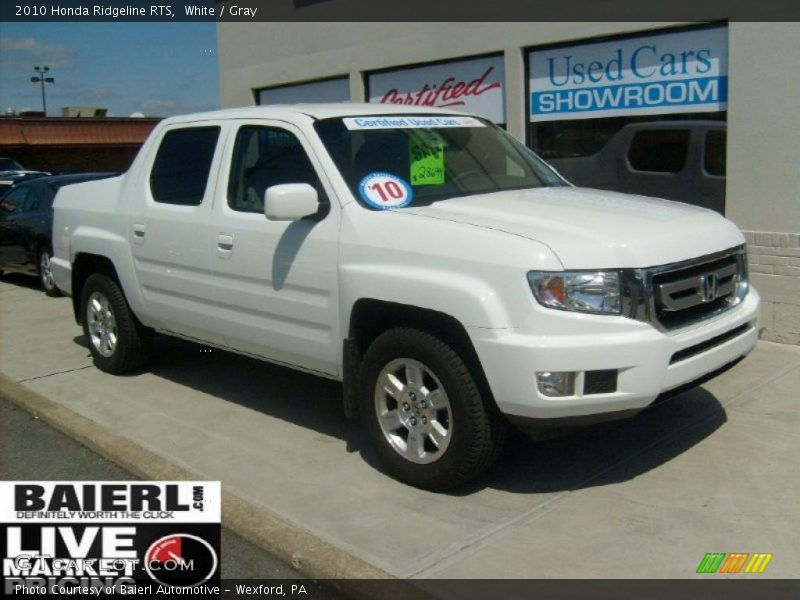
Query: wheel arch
x=371, y=317
x=83, y=266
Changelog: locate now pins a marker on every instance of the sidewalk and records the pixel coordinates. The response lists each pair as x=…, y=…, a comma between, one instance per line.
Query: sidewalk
x=714, y=470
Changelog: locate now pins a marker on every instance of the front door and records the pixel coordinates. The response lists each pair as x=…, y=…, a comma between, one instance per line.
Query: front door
x=276, y=282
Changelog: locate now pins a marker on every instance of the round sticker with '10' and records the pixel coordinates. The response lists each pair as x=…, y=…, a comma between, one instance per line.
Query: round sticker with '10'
x=384, y=190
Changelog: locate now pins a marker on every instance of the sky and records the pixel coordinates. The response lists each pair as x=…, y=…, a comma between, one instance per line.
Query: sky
x=157, y=69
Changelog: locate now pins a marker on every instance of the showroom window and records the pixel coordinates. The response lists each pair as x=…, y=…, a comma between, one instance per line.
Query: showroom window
x=584, y=137
x=615, y=113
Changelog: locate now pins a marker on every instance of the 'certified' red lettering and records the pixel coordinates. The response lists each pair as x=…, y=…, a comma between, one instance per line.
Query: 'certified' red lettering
x=448, y=93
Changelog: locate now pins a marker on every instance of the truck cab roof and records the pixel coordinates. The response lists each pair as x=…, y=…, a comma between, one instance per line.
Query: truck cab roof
x=315, y=111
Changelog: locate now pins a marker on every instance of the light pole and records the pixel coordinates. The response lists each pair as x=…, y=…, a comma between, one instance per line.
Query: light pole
x=40, y=78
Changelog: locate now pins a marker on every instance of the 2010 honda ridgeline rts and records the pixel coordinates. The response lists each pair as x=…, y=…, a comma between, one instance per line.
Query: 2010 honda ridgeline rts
x=451, y=279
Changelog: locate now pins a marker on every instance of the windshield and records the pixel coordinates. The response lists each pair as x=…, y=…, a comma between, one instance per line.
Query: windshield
x=402, y=160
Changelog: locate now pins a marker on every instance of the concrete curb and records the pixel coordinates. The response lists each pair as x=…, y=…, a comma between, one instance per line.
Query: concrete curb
x=303, y=550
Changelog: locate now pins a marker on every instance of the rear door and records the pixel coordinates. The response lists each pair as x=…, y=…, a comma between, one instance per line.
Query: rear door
x=276, y=282
x=170, y=232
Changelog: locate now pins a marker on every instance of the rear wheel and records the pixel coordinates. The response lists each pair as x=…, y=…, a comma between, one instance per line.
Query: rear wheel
x=426, y=417
x=46, y=274
x=119, y=343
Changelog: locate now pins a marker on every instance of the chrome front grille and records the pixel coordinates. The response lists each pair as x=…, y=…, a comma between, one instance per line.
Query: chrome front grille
x=680, y=294
x=696, y=290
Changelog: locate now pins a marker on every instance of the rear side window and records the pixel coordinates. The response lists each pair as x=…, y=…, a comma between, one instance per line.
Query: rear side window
x=180, y=171
x=715, y=153
x=659, y=150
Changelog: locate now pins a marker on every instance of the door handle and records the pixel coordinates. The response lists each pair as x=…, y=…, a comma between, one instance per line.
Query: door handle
x=225, y=244
x=138, y=233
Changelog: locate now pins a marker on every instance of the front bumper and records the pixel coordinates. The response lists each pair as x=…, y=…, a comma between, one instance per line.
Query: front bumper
x=648, y=362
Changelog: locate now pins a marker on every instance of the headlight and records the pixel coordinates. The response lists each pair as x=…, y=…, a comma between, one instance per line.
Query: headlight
x=580, y=291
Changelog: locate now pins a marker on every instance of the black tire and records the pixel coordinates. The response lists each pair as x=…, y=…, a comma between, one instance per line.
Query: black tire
x=476, y=428
x=45, y=278
x=132, y=349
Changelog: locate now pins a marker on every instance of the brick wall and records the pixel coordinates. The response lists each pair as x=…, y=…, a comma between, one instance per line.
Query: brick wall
x=775, y=272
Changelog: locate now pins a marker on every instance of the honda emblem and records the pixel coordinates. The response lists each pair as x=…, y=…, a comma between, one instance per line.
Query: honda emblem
x=709, y=287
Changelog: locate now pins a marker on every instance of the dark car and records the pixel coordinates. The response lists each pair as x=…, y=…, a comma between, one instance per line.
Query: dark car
x=26, y=224
x=9, y=179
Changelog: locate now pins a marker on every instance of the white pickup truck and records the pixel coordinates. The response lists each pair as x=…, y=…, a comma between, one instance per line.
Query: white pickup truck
x=448, y=277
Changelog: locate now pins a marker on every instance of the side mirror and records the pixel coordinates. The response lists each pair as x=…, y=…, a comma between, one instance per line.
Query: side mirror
x=290, y=202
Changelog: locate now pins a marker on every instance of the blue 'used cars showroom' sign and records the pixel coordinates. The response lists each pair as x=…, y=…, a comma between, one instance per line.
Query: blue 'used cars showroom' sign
x=680, y=72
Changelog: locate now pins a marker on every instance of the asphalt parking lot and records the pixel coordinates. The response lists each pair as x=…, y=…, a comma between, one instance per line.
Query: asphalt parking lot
x=713, y=470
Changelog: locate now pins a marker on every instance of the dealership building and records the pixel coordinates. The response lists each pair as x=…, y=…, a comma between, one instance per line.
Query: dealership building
x=566, y=90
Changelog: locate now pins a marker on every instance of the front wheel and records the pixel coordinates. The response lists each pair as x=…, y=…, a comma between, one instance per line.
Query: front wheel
x=46, y=274
x=424, y=412
x=119, y=343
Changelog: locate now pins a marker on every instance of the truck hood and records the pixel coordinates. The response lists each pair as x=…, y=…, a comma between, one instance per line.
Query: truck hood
x=595, y=229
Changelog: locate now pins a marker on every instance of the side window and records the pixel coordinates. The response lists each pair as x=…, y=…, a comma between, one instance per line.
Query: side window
x=714, y=156
x=180, y=171
x=14, y=201
x=659, y=150
x=263, y=157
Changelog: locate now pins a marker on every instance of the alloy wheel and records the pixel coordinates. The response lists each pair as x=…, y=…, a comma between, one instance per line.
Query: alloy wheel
x=413, y=410
x=102, y=324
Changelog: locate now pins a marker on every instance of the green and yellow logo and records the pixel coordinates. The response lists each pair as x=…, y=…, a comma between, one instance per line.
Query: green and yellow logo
x=734, y=562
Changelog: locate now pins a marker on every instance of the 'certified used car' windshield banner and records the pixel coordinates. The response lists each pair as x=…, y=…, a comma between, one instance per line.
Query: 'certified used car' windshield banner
x=681, y=72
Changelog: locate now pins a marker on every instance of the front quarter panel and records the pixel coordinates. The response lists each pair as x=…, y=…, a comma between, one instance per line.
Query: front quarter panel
x=476, y=275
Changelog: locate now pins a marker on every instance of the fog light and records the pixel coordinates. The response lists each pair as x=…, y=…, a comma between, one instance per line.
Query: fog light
x=556, y=383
